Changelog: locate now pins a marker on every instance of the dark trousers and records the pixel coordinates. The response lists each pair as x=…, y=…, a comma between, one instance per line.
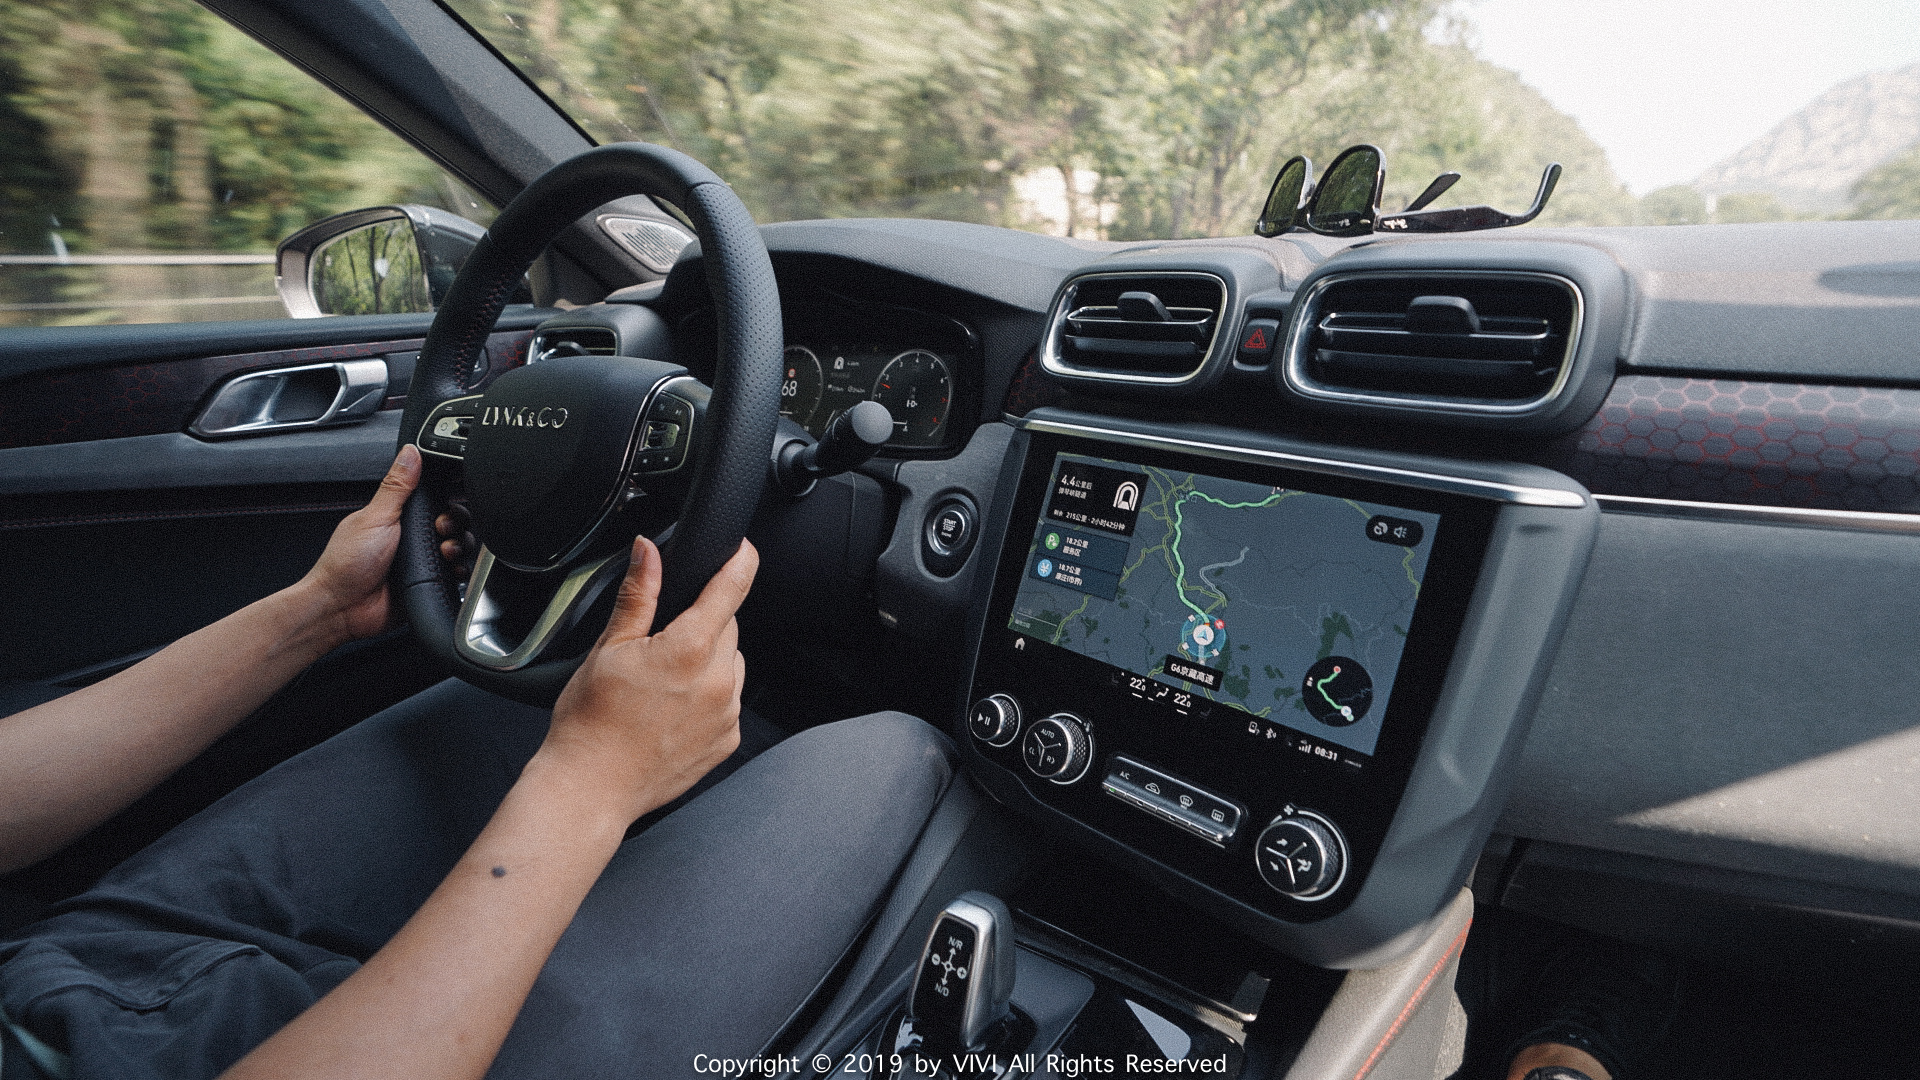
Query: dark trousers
x=704, y=936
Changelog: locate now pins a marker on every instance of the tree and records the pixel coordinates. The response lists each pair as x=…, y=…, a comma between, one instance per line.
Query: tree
x=1891, y=190
x=1674, y=205
x=1749, y=206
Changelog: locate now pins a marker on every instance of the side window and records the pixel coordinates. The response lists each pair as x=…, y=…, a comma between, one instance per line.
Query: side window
x=154, y=155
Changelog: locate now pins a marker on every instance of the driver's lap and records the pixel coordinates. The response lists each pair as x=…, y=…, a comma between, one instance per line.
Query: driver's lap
x=195, y=950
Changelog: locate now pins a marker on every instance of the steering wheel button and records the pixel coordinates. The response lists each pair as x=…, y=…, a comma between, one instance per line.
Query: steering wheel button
x=661, y=435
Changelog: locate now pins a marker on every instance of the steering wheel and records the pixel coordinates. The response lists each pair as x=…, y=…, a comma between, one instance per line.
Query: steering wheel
x=564, y=461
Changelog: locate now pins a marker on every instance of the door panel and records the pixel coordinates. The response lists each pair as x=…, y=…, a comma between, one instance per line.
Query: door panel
x=135, y=396
x=121, y=587
x=120, y=532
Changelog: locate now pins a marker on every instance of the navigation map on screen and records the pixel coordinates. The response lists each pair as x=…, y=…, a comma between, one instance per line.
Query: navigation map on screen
x=1290, y=605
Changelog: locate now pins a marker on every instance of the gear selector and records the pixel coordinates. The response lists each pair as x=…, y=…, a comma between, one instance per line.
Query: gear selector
x=965, y=978
x=959, y=1020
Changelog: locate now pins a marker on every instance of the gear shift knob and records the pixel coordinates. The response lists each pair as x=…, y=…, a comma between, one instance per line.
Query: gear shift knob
x=965, y=978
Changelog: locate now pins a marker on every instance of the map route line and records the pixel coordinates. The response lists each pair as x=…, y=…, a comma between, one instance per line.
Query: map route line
x=1320, y=684
x=1157, y=511
x=1215, y=586
x=1179, y=522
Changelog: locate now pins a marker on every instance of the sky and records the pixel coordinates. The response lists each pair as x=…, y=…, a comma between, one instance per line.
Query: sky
x=1670, y=87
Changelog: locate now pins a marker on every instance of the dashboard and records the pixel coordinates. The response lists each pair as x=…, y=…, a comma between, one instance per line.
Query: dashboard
x=1588, y=674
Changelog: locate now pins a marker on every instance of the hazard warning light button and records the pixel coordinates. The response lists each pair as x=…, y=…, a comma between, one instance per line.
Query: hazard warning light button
x=1257, y=340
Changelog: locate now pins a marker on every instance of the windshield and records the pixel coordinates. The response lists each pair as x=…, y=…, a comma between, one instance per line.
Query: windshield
x=1148, y=119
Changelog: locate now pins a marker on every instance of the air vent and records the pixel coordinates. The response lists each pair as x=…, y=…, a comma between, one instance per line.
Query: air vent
x=655, y=243
x=1136, y=328
x=1461, y=341
x=573, y=341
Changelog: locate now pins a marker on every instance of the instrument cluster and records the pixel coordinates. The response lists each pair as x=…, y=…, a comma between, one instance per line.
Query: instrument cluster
x=821, y=381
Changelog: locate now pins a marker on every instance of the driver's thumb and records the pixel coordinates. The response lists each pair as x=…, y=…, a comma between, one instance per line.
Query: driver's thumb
x=639, y=593
x=402, y=477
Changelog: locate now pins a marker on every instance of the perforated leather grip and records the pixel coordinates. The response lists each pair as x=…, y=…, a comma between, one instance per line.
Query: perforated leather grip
x=730, y=453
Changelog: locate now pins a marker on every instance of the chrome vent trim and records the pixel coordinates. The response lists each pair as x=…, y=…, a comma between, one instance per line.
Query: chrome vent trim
x=573, y=341
x=1065, y=308
x=1309, y=316
x=655, y=244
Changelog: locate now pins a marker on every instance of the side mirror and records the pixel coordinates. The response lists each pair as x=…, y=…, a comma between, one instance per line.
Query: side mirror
x=1348, y=197
x=1282, y=211
x=383, y=260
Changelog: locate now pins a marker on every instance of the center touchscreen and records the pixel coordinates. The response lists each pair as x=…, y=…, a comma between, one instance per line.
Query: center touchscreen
x=1291, y=606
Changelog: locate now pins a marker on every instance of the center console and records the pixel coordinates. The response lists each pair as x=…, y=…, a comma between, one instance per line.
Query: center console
x=1277, y=682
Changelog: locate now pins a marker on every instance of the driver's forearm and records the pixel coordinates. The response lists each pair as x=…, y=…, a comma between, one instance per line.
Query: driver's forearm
x=68, y=765
x=437, y=1001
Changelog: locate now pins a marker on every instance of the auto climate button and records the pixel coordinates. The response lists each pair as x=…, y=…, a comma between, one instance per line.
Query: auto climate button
x=1058, y=748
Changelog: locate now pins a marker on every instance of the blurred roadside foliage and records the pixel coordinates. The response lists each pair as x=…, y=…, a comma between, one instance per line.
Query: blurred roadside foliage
x=152, y=125
x=1142, y=118
x=148, y=127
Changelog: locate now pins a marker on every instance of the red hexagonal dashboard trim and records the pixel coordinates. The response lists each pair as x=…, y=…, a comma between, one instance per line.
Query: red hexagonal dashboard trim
x=1754, y=443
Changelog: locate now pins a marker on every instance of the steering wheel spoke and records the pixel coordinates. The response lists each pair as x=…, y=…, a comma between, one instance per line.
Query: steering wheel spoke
x=485, y=633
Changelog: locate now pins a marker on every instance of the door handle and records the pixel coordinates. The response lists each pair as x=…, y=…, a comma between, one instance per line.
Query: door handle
x=281, y=399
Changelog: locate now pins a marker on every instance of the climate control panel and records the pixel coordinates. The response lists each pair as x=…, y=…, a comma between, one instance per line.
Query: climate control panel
x=1300, y=853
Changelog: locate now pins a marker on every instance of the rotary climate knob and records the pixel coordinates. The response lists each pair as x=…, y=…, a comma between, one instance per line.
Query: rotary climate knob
x=1302, y=855
x=995, y=719
x=1058, y=748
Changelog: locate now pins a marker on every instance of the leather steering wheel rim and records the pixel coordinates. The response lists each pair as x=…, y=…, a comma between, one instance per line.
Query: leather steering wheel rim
x=730, y=448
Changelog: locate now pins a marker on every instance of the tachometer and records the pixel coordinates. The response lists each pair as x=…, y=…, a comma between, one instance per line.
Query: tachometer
x=917, y=388
x=800, y=385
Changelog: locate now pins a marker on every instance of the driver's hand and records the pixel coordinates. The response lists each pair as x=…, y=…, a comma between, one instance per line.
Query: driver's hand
x=647, y=715
x=349, y=581
x=457, y=545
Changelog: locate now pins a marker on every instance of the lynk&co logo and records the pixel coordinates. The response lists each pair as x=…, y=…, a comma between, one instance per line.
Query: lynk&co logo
x=522, y=416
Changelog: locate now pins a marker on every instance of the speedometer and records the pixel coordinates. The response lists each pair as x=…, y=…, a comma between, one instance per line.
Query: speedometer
x=800, y=384
x=917, y=388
